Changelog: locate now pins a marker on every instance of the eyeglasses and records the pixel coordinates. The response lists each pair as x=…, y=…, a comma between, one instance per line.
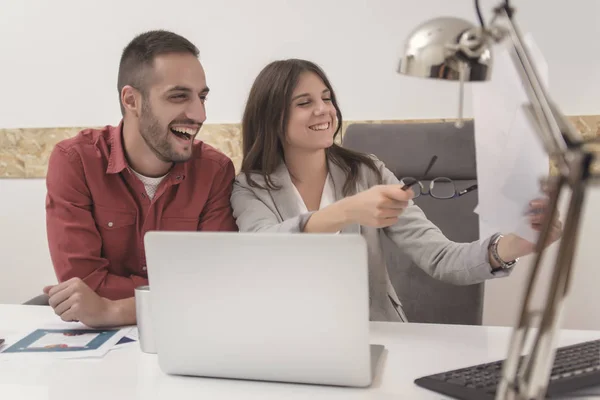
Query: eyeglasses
x=439, y=188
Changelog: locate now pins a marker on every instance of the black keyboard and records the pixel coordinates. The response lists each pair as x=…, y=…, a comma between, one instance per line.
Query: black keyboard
x=575, y=367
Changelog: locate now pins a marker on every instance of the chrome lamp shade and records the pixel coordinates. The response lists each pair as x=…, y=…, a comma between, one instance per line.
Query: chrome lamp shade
x=447, y=48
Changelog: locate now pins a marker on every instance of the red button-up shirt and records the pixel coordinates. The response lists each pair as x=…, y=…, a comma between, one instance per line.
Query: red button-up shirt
x=97, y=209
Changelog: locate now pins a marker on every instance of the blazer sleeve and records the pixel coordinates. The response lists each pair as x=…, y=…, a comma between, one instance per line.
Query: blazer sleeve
x=252, y=214
x=425, y=244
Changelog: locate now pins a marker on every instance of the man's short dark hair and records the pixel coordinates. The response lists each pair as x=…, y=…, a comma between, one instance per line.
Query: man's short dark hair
x=138, y=57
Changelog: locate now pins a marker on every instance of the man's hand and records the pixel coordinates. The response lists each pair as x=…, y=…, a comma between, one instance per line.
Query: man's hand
x=74, y=300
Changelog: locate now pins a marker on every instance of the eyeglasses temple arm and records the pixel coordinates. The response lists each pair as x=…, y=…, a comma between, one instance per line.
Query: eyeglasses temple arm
x=467, y=190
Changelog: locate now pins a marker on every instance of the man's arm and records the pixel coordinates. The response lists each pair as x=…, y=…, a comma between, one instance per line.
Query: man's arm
x=73, y=300
x=74, y=241
x=218, y=214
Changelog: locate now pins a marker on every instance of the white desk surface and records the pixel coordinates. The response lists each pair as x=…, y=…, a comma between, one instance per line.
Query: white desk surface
x=413, y=350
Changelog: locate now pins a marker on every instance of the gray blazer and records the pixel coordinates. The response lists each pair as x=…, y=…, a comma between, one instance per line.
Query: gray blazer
x=260, y=210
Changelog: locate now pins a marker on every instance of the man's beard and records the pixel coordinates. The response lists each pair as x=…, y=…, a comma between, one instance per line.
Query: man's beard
x=157, y=137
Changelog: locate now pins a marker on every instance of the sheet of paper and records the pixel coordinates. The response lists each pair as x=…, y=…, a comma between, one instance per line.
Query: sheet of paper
x=511, y=159
x=64, y=340
x=64, y=343
x=129, y=338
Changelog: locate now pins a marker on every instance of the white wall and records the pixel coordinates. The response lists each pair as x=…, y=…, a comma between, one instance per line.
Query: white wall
x=59, y=58
x=60, y=62
x=25, y=266
x=582, y=309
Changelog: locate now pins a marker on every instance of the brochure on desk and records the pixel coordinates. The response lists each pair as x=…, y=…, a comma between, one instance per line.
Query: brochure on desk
x=68, y=343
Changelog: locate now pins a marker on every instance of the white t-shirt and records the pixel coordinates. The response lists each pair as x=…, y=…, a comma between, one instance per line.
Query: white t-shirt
x=150, y=183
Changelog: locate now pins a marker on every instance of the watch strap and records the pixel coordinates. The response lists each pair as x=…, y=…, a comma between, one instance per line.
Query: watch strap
x=504, y=265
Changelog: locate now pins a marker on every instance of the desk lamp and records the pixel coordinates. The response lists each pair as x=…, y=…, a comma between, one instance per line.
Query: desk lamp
x=453, y=49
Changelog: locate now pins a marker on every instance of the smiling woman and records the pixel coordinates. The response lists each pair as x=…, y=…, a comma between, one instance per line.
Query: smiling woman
x=295, y=178
x=292, y=109
x=312, y=115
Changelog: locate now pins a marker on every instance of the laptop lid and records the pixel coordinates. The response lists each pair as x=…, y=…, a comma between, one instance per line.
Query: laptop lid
x=261, y=306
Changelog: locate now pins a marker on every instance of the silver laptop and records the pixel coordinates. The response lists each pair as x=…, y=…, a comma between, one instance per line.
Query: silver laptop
x=271, y=307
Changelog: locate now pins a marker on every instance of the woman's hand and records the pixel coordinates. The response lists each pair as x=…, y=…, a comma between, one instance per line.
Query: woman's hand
x=379, y=206
x=512, y=246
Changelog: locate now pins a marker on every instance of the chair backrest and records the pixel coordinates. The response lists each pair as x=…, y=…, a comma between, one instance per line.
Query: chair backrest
x=406, y=149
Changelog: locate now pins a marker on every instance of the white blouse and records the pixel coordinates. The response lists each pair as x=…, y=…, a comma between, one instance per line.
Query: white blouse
x=327, y=197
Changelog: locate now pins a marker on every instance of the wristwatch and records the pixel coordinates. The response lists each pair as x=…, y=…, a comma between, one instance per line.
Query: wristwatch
x=504, y=265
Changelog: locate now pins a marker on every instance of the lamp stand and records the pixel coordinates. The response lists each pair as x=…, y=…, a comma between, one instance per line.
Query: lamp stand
x=527, y=378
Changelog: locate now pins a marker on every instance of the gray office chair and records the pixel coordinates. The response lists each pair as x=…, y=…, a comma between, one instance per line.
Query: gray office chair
x=407, y=149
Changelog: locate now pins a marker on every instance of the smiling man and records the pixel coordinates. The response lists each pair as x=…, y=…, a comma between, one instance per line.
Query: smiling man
x=108, y=187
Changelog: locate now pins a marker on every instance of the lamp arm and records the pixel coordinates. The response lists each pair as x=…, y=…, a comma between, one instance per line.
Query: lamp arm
x=554, y=129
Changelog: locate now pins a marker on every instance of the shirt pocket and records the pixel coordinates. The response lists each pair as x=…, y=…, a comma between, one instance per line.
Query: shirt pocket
x=113, y=220
x=179, y=224
x=117, y=229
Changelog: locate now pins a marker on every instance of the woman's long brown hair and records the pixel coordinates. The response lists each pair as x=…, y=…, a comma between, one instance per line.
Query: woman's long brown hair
x=265, y=121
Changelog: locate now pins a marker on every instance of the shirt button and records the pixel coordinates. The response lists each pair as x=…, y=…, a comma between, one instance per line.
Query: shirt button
x=144, y=268
x=178, y=177
x=110, y=224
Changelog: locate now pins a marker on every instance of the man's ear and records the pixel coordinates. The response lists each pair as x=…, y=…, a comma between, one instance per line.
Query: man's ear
x=131, y=99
